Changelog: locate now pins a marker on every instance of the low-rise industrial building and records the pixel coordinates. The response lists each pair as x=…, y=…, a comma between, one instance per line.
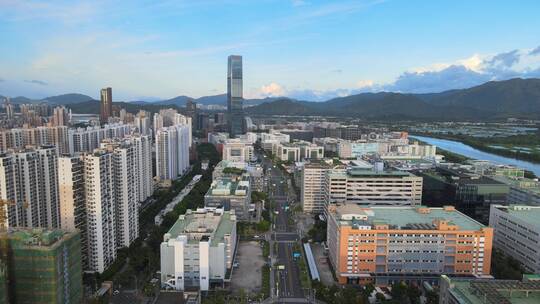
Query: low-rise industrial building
x=485, y=291
x=231, y=193
x=198, y=250
x=384, y=245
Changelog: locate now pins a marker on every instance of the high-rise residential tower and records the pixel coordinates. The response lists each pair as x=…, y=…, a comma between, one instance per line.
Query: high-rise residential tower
x=234, y=96
x=105, y=105
x=100, y=208
x=29, y=179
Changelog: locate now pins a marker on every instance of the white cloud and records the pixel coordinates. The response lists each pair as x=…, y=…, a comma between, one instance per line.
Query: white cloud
x=272, y=90
x=365, y=84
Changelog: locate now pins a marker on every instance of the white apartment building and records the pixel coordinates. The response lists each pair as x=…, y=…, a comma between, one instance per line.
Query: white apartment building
x=172, y=151
x=29, y=178
x=143, y=150
x=115, y=176
x=72, y=199
x=142, y=123
x=517, y=233
x=237, y=150
x=100, y=209
x=312, y=186
x=169, y=117
x=369, y=186
x=86, y=140
x=198, y=249
x=39, y=136
x=126, y=192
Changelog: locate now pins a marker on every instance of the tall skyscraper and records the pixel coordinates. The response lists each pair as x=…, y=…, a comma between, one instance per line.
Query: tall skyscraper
x=106, y=105
x=235, y=98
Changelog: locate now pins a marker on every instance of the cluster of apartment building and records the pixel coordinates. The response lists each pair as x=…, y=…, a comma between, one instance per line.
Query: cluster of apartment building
x=96, y=185
x=67, y=140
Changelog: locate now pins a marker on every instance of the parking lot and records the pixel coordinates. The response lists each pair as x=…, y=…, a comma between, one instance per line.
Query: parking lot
x=247, y=275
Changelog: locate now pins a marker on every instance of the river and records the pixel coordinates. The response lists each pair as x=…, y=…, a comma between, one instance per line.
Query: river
x=468, y=151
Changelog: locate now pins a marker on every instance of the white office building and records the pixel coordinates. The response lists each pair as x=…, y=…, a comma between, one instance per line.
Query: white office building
x=373, y=186
x=237, y=150
x=198, y=249
x=517, y=233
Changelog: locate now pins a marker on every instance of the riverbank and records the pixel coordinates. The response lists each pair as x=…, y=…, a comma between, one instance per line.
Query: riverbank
x=457, y=147
x=497, y=146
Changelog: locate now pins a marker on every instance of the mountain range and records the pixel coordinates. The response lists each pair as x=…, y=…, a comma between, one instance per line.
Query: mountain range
x=492, y=100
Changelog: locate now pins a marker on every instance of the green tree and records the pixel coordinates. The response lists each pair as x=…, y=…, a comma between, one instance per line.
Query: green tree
x=399, y=292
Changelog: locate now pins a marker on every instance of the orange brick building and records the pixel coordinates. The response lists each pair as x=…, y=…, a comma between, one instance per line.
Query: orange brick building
x=384, y=245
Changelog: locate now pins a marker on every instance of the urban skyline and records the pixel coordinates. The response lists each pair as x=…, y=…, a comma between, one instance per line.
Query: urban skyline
x=150, y=60
x=428, y=194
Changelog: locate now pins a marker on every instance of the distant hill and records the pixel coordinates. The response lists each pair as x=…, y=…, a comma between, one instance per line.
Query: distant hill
x=65, y=99
x=92, y=107
x=492, y=100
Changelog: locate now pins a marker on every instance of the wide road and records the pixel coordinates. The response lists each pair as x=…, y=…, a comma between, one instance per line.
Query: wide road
x=287, y=280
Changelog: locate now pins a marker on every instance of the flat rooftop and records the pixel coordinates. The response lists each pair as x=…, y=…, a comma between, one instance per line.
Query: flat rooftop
x=496, y=291
x=204, y=222
x=403, y=218
x=523, y=183
x=528, y=214
x=367, y=172
x=37, y=238
x=226, y=186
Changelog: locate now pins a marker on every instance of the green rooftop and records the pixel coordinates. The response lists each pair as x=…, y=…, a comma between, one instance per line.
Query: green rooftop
x=36, y=238
x=406, y=217
x=528, y=214
x=494, y=291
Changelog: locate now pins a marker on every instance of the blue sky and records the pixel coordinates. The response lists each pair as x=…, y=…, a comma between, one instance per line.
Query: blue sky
x=307, y=49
